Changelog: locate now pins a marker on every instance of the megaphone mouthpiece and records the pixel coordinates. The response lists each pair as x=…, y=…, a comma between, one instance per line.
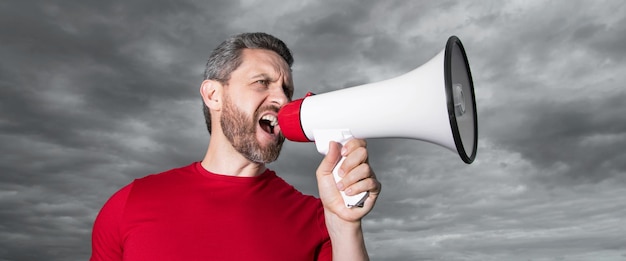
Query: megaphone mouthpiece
x=290, y=122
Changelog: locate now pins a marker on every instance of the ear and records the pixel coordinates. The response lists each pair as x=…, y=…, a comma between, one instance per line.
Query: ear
x=211, y=92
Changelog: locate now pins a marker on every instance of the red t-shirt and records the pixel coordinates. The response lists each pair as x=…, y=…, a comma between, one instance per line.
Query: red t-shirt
x=191, y=214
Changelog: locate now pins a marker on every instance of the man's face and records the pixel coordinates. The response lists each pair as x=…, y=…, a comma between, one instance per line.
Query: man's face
x=256, y=90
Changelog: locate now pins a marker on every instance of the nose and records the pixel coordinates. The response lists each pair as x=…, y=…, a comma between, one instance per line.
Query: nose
x=278, y=97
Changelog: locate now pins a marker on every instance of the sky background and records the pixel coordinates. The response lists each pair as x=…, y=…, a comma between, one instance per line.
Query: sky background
x=94, y=94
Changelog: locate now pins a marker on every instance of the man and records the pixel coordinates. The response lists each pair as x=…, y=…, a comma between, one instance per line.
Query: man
x=230, y=206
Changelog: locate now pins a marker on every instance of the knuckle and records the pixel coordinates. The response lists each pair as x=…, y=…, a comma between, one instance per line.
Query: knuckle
x=365, y=170
x=356, y=144
x=372, y=183
x=361, y=152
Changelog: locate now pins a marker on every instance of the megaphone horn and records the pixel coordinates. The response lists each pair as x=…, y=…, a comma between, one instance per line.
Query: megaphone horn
x=434, y=103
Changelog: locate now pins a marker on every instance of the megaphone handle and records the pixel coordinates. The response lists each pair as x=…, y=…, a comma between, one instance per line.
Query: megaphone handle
x=322, y=142
x=350, y=201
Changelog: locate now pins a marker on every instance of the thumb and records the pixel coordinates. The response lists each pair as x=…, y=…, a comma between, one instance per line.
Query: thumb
x=330, y=160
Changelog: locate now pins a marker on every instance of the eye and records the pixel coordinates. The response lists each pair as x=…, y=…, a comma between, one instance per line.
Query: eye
x=263, y=82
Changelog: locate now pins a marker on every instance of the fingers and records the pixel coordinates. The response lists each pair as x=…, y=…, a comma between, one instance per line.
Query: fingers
x=330, y=160
x=352, y=145
x=356, y=174
x=360, y=179
x=356, y=153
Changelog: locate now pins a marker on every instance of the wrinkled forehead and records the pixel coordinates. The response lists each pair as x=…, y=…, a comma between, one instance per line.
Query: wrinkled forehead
x=270, y=60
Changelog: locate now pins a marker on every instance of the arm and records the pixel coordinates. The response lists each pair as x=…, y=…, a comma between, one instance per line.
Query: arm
x=346, y=239
x=344, y=224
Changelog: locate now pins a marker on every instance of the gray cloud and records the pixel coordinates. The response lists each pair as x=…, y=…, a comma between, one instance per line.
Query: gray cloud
x=95, y=94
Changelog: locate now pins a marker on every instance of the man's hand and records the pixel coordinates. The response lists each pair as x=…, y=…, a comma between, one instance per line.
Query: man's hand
x=357, y=177
x=343, y=223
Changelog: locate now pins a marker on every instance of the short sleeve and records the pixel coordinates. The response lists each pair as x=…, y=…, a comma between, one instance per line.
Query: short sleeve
x=106, y=238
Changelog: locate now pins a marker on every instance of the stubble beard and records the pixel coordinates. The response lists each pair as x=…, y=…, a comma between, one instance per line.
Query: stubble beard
x=240, y=130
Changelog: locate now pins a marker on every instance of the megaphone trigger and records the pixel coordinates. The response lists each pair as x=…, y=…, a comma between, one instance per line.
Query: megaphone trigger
x=342, y=136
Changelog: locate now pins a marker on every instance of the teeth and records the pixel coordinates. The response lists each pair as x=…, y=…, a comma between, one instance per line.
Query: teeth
x=272, y=119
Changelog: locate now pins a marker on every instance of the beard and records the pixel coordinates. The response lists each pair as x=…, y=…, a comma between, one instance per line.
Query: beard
x=240, y=130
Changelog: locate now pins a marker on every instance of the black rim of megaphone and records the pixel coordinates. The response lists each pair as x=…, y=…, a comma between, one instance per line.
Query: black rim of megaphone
x=452, y=41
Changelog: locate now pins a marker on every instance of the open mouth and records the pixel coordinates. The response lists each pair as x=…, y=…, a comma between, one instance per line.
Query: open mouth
x=268, y=123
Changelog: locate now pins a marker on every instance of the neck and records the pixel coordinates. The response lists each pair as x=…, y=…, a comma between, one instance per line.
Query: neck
x=221, y=158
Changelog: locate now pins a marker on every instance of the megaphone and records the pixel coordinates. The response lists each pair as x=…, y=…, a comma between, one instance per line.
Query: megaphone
x=433, y=103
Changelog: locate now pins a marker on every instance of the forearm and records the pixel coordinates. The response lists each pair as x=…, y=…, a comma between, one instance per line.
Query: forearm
x=346, y=239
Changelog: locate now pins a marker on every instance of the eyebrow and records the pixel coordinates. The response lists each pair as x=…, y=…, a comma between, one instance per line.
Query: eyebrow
x=266, y=76
x=261, y=75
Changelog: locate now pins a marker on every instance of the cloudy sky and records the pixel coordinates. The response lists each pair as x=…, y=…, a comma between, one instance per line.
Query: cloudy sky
x=96, y=93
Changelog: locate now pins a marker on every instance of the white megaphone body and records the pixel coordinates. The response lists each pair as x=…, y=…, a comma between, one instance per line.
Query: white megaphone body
x=435, y=103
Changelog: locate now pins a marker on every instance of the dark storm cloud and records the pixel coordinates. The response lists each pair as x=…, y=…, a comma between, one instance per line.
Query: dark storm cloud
x=68, y=64
x=81, y=93
x=97, y=93
x=539, y=113
x=72, y=50
x=552, y=133
x=603, y=37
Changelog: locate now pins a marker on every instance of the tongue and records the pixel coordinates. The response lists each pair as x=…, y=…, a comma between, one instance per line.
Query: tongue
x=265, y=125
